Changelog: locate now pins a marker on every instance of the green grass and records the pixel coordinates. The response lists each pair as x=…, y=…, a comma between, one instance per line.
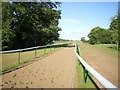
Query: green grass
x=10, y=60
x=108, y=49
x=9, y=67
x=109, y=46
x=81, y=83
x=80, y=76
x=59, y=42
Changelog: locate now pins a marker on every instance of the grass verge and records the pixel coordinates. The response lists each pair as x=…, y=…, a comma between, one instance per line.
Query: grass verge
x=81, y=83
x=80, y=76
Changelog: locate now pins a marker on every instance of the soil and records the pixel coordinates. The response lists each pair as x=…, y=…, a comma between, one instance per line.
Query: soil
x=104, y=62
x=57, y=70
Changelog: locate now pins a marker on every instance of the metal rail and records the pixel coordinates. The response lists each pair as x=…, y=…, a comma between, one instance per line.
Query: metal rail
x=31, y=48
x=104, y=82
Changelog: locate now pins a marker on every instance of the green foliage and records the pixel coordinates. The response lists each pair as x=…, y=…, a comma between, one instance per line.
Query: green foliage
x=27, y=24
x=114, y=30
x=99, y=35
x=83, y=39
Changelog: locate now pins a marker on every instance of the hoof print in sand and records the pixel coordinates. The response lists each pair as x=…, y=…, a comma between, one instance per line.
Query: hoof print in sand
x=15, y=75
x=21, y=83
x=12, y=86
x=6, y=82
x=52, y=80
x=27, y=87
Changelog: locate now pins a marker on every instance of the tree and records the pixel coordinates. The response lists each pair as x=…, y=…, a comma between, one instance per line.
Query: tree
x=27, y=24
x=114, y=30
x=99, y=35
x=83, y=39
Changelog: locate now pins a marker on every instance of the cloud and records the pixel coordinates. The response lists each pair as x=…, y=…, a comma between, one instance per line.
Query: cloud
x=72, y=21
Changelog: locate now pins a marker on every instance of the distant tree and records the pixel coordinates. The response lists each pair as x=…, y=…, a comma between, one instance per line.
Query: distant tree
x=98, y=35
x=83, y=39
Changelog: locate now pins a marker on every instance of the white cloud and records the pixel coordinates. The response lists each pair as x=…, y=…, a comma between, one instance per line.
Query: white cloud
x=72, y=21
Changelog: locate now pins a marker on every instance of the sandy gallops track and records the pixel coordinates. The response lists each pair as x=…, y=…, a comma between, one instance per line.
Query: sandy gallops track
x=55, y=71
x=106, y=63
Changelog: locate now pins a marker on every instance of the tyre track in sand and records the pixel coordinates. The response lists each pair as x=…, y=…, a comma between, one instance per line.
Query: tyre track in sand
x=58, y=70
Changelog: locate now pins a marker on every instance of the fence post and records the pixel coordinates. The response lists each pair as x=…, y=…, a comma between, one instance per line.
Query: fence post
x=19, y=57
x=85, y=72
x=44, y=50
x=78, y=52
x=54, y=47
x=50, y=48
x=35, y=52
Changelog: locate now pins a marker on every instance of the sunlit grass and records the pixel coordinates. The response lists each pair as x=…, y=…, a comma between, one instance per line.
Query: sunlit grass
x=80, y=76
x=81, y=83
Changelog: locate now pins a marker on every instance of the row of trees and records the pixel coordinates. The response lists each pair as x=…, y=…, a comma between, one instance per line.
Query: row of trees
x=28, y=24
x=100, y=35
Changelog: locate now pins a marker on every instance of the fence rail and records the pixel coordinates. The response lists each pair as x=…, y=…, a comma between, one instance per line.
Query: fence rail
x=104, y=82
x=35, y=54
x=31, y=48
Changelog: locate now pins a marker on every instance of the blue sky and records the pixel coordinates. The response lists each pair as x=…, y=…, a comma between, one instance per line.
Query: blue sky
x=78, y=18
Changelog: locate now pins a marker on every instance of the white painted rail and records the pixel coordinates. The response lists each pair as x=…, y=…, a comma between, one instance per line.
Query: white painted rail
x=18, y=50
x=104, y=82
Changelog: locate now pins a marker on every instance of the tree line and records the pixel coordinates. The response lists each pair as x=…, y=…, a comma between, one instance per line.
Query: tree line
x=28, y=24
x=100, y=35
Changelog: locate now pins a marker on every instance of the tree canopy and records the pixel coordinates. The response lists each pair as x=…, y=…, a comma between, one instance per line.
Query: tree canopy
x=27, y=24
x=100, y=35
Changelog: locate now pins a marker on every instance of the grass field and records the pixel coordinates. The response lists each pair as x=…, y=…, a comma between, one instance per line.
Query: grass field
x=59, y=42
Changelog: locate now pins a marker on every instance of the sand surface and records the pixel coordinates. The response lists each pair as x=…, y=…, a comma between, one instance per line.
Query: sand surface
x=57, y=70
x=105, y=63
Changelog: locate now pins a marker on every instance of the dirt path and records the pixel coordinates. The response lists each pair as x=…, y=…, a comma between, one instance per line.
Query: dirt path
x=104, y=62
x=55, y=71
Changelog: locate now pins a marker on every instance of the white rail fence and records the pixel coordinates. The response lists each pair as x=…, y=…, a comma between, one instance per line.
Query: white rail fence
x=104, y=82
x=31, y=48
x=19, y=51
